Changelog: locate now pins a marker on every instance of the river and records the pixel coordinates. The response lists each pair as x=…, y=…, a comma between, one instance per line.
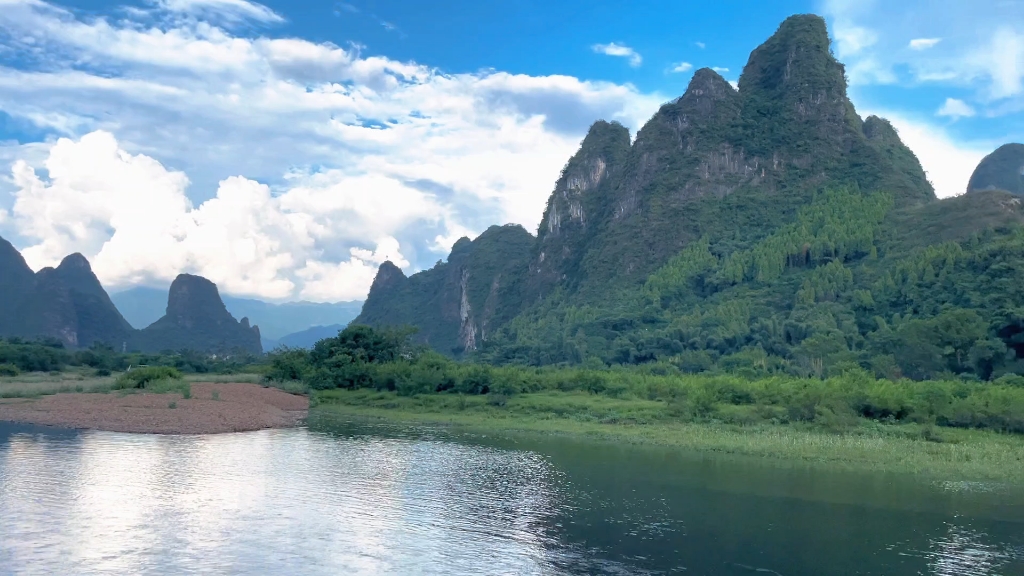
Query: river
x=353, y=498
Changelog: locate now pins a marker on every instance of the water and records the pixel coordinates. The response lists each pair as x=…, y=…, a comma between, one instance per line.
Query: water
x=351, y=499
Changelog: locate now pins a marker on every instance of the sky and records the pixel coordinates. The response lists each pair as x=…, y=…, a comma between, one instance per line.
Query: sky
x=284, y=150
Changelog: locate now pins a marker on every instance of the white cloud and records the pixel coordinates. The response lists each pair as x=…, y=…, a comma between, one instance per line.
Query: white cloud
x=700, y=45
x=852, y=40
x=953, y=43
x=923, y=43
x=132, y=218
x=682, y=67
x=324, y=281
x=955, y=108
x=229, y=8
x=619, y=50
x=947, y=161
x=295, y=152
x=720, y=69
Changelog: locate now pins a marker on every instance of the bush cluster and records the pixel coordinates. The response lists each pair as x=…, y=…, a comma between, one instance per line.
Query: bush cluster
x=360, y=358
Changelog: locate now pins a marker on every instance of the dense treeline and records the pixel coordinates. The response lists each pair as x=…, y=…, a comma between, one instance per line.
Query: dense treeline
x=847, y=284
x=49, y=354
x=363, y=358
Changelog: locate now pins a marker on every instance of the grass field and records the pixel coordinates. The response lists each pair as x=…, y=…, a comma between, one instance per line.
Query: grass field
x=942, y=454
x=36, y=384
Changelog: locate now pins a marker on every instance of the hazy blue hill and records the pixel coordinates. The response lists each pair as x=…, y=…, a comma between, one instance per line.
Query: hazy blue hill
x=310, y=336
x=142, y=306
x=16, y=279
x=67, y=303
x=1003, y=169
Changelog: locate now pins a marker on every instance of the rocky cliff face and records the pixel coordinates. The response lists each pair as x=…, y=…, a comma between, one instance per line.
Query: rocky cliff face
x=578, y=205
x=1003, y=169
x=197, y=319
x=457, y=304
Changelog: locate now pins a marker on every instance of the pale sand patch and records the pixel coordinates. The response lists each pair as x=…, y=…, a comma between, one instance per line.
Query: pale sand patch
x=239, y=407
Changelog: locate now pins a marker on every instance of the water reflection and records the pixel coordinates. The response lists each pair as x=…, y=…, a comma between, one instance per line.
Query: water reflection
x=351, y=500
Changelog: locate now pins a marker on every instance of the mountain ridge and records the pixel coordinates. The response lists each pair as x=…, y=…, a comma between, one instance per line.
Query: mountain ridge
x=767, y=227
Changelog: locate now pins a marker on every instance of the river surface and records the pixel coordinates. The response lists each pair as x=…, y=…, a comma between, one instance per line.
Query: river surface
x=350, y=498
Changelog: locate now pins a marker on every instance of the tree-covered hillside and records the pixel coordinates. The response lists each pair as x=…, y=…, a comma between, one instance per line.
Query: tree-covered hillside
x=765, y=229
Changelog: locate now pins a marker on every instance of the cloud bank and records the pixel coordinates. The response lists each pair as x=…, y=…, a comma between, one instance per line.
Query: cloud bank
x=277, y=167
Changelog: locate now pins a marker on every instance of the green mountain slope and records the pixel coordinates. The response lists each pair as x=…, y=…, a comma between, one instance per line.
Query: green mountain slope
x=1003, y=169
x=456, y=304
x=763, y=229
x=722, y=164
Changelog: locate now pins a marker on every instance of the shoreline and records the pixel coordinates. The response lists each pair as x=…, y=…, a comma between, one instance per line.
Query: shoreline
x=212, y=408
x=960, y=455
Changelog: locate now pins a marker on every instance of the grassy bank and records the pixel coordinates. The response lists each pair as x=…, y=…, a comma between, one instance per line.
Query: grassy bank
x=72, y=380
x=936, y=453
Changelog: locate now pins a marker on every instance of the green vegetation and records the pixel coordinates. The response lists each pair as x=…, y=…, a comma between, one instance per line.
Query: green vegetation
x=949, y=428
x=383, y=361
x=915, y=449
x=50, y=355
x=154, y=379
x=36, y=384
x=847, y=284
x=32, y=368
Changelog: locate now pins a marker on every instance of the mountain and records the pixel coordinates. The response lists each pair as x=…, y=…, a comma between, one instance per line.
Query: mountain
x=766, y=228
x=310, y=336
x=197, y=319
x=719, y=162
x=142, y=306
x=1003, y=169
x=456, y=304
x=16, y=280
x=66, y=302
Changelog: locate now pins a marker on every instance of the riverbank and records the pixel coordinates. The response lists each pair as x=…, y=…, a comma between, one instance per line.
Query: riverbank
x=936, y=453
x=211, y=408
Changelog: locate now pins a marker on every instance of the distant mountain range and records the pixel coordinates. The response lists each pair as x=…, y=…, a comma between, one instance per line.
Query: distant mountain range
x=69, y=303
x=141, y=306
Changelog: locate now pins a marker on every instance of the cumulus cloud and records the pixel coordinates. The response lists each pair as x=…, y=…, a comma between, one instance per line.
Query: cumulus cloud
x=619, y=50
x=181, y=136
x=923, y=43
x=954, y=43
x=681, y=67
x=955, y=108
x=852, y=40
x=239, y=9
x=132, y=217
x=720, y=69
x=947, y=161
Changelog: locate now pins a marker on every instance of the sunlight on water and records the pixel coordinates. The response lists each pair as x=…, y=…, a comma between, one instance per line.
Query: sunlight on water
x=296, y=501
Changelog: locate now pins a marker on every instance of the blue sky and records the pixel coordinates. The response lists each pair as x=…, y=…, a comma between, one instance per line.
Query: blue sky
x=285, y=149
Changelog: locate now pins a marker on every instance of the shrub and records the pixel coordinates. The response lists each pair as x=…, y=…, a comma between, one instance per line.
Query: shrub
x=140, y=377
x=9, y=370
